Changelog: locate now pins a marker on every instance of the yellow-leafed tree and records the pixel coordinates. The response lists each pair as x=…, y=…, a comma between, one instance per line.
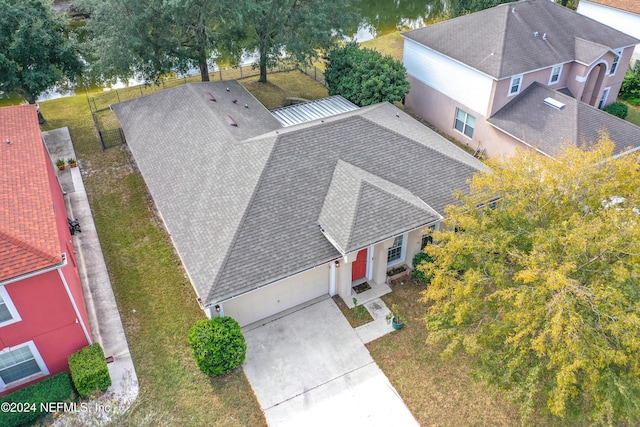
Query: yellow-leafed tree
x=537, y=275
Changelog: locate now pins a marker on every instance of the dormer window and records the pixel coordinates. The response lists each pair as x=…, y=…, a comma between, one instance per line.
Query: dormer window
x=614, y=65
x=555, y=74
x=516, y=83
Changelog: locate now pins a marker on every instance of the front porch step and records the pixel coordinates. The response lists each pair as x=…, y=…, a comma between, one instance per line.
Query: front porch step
x=376, y=291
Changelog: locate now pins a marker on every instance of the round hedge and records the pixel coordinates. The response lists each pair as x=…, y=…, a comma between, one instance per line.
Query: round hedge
x=218, y=345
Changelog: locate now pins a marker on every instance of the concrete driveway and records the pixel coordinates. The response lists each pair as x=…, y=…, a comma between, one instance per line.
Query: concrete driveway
x=309, y=368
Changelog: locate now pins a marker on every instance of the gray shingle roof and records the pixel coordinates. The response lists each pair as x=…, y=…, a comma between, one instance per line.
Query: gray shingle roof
x=360, y=207
x=545, y=128
x=244, y=214
x=501, y=41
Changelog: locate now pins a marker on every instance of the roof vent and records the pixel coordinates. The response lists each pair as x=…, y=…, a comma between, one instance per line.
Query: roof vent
x=211, y=97
x=230, y=121
x=554, y=103
x=513, y=10
x=544, y=36
x=535, y=34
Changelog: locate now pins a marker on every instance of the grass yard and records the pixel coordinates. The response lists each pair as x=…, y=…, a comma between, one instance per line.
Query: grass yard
x=634, y=114
x=438, y=393
x=390, y=44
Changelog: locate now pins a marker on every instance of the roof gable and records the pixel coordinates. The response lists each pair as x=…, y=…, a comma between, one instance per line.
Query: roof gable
x=28, y=231
x=360, y=208
x=515, y=38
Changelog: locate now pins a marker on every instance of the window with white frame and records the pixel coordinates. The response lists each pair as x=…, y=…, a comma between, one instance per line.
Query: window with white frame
x=464, y=123
x=555, y=74
x=395, y=251
x=427, y=238
x=20, y=362
x=8, y=312
x=605, y=95
x=516, y=83
x=614, y=65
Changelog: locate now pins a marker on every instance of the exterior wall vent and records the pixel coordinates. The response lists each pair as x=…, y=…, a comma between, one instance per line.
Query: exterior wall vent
x=554, y=103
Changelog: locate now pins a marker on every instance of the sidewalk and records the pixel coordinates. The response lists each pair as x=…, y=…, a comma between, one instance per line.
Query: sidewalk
x=104, y=318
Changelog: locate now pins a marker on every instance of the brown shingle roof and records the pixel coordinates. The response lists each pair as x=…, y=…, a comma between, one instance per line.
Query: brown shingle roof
x=545, y=128
x=519, y=37
x=28, y=231
x=628, y=5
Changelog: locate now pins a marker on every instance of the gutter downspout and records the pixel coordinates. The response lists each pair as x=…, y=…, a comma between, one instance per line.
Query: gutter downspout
x=73, y=302
x=332, y=278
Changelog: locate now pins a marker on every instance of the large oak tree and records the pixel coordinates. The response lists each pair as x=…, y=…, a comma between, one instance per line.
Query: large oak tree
x=542, y=284
x=295, y=28
x=150, y=38
x=36, y=52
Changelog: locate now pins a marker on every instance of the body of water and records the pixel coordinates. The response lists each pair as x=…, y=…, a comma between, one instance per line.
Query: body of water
x=378, y=17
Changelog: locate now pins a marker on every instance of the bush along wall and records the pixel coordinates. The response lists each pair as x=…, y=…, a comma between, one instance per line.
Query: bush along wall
x=618, y=109
x=89, y=370
x=218, y=345
x=24, y=406
x=420, y=258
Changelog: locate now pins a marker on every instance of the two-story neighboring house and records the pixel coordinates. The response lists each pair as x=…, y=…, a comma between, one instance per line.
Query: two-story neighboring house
x=623, y=15
x=525, y=74
x=43, y=318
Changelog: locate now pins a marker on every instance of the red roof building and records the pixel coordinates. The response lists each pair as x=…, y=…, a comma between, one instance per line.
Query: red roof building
x=43, y=317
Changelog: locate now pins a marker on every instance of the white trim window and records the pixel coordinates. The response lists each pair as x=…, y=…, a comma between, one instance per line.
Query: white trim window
x=605, y=95
x=556, y=72
x=515, y=85
x=8, y=312
x=20, y=364
x=616, y=60
x=464, y=123
x=397, y=251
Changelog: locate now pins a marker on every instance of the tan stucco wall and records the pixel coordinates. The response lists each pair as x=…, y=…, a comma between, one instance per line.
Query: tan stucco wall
x=440, y=110
x=279, y=296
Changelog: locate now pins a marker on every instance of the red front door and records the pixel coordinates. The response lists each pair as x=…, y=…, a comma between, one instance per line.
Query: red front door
x=359, y=266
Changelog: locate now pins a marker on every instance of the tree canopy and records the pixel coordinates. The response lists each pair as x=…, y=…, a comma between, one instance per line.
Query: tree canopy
x=36, y=52
x=364, y=76
x=540, y=283
x=298, y=28
x=149, y=38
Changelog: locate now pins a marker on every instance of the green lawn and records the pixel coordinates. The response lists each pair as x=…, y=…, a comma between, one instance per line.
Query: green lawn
x=634, y=114
x=438, y=393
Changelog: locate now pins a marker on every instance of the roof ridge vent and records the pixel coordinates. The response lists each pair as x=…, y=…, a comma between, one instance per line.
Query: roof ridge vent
x=230, y=120
x=554, y=103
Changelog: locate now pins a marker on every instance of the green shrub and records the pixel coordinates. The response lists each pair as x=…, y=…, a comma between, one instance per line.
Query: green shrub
x=89, y=370
x=57, y=388
x=417, y=260
x=630, y=89
x=618, y=109
x=218, y=345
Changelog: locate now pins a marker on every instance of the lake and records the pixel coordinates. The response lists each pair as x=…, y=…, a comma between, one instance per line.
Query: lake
x=378, y=17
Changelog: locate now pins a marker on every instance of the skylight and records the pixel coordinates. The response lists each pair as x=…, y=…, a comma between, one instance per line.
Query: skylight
x=554, y=103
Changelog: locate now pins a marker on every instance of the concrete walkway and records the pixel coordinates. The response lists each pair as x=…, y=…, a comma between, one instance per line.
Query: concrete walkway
x=310, y=368
x=104, y=318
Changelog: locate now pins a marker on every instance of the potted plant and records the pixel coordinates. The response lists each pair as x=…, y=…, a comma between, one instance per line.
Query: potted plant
x=395, y=318
x=60, y=164
x=72, y=162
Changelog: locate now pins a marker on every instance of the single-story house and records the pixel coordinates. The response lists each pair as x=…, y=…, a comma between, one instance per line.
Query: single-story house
x=270, y=211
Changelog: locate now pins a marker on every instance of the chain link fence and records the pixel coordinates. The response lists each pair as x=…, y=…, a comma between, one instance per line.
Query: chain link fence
x=108, y=127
